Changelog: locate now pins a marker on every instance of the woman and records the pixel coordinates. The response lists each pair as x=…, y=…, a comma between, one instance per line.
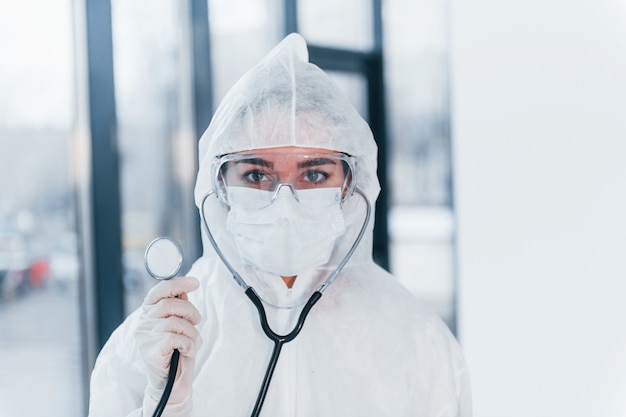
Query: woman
x=286, y=178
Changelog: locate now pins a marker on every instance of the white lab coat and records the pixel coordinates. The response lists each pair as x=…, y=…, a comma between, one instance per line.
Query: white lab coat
x=366, y=349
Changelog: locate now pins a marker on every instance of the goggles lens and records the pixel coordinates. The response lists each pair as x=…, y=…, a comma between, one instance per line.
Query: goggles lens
x=237, y=175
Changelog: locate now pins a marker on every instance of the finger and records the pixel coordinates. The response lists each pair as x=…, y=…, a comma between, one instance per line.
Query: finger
x=187, y=342
x=179, y=327
x=175, y=287
x=173, y=307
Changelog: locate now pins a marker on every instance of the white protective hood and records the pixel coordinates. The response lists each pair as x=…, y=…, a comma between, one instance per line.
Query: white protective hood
x=286, y=101
x=367, y=347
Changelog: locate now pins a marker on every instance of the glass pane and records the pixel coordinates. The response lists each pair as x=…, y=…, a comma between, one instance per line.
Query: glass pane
x=337, y=23
x=421, y=224
x=40, y=349
x=242, y=33
x=416, y=77
x=151, y=45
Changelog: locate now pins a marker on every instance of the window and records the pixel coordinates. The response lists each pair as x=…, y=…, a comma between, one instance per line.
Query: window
x=39, y=263
x=156, y=138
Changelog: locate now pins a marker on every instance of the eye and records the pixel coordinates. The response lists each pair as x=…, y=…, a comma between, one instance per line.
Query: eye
x=254, y=177
x=315, y=176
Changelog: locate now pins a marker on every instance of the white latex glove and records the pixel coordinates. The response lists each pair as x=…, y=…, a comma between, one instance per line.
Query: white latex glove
x=168, y=322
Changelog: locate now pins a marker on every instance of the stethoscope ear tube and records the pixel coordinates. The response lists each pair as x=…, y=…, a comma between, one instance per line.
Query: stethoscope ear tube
x=219, y=252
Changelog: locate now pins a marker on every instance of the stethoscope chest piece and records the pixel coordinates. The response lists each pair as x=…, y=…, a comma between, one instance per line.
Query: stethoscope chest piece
x=163, y=258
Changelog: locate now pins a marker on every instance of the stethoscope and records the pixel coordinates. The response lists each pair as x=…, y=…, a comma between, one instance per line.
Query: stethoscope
x=278, y=340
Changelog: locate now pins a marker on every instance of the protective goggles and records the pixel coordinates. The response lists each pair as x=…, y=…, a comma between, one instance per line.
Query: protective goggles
x=254, y=181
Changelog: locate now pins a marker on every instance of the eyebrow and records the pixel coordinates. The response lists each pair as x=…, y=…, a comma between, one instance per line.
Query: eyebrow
x=316, y=162
x=256, y=161
x=304, y=164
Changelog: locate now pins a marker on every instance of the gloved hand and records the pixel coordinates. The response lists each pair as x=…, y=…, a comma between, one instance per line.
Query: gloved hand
x=168, y=322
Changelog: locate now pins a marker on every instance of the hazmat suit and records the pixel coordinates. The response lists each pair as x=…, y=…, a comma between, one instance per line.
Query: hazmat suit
x=367, y=347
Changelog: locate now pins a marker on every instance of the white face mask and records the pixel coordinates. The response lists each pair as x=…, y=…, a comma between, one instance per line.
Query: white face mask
x=287, y=238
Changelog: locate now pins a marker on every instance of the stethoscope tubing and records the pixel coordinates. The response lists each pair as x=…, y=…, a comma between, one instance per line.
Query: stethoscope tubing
x=277, y=339
x=171, y=376
x=242, y=283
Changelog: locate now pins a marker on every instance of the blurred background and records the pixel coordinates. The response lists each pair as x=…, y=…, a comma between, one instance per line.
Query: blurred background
x=502, y=142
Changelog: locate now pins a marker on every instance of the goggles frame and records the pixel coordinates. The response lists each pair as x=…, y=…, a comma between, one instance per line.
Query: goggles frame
x=219, y=167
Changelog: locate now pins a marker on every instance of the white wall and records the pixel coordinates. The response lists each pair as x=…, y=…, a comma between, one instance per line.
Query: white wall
x=539, y=131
